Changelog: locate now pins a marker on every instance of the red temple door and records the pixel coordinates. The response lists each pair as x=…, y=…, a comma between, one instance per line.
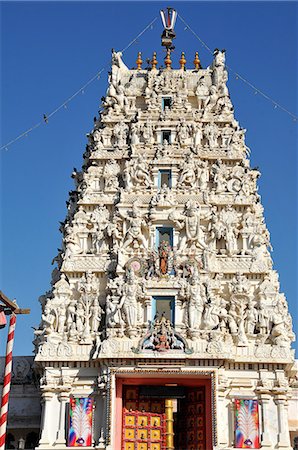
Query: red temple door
x=191, y=421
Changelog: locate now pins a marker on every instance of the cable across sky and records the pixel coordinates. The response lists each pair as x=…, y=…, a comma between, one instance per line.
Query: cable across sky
x=64, y=104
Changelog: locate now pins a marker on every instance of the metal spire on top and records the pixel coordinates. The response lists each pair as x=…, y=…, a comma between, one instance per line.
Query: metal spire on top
x=168, y=17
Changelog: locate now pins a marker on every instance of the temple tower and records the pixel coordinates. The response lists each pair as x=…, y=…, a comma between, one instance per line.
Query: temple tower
x=165, y=325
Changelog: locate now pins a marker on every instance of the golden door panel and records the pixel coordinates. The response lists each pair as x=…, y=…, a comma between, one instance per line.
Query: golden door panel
x=144, y=426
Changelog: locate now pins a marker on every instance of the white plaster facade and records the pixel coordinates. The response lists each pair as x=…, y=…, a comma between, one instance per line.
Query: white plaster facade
x=177, y=169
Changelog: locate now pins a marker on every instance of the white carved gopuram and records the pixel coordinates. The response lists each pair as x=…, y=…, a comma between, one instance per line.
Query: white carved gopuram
x=165, y=309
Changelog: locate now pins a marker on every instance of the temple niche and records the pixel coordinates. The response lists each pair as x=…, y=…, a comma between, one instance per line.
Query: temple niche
x=165, y=316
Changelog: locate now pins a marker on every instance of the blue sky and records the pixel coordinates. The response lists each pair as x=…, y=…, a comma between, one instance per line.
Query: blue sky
x=50, y=49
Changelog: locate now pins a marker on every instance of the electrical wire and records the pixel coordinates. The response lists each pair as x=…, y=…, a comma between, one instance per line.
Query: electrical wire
x=240, y=77
x=64, y=104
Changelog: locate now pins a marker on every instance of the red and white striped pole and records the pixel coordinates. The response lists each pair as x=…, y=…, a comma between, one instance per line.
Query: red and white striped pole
x=6, y=382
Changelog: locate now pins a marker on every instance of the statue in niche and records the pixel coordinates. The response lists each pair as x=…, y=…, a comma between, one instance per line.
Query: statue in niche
x=120, y=134
x=210, y=104
x=211, y=132
x=211, y=313
x=203, y=175
x=238, y=139
x=100, y=220
x=202, y=92
x=114, y=231
x=230, y=235
x=241, y=336
x=226, y=136
x=239, y=285
x=139, y=172
x=88, y=288
x=261, y=260
x=219, y=172
x=80, y=318
x=134, y=134
x=188, y=172
x=250, y=318
x=72, y=243
x=233, y=319
x=198, y=135
x=128, y=302
x=164, y=197
x=152, y=264
x=48, y=321
x=110, y=175
x=96, y=314
x=191, y=223
x=135, y=230
x=148, y=132
x=196, y=301
x=281, y=332
x=183, y=132
x=164, y=252
x=270, y=285
x=61, y=314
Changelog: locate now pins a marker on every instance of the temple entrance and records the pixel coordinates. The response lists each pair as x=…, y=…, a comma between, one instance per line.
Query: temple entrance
x=164, y=418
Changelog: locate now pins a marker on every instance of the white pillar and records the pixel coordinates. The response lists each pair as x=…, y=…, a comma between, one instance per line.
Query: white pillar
x=283, y=437
x=61, y=440
x=45, y=419
x=223, y=430
x=265, y=434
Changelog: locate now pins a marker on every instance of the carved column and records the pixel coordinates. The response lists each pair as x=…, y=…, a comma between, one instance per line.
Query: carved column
x=283, y=437
x=148, y=312
x=45, y=418
x=61, y=439
x=223, y=435
x=264, y=399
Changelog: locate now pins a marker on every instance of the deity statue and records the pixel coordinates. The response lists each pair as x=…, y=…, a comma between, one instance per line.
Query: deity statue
x=203, y=175
x=226, y=136
x=134, y=134
x=72, y=243
x=211, y=132
x=202, y=92
x=188, y=172
x=198, y=135
x=250, y=318
x=140, y=173
x=128, y=302
x=148, y=132
x=193, y=232
x=196, y=302
x=163, y=252
x=120, y=134
x=219, y=172
x=135, y=230
x=211, y=101
x=110, y=175
x=211, y=313
x=100, y=220
x=183, y=133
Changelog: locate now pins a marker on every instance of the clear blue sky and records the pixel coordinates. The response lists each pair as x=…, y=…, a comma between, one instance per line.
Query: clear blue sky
x=50, y=49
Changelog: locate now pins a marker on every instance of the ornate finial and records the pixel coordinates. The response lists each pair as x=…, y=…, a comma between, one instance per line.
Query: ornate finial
x=139, y=61
x=168, y=60
x=154, y=61
x=168, y=18
x=182, y=61
x=197, y=61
